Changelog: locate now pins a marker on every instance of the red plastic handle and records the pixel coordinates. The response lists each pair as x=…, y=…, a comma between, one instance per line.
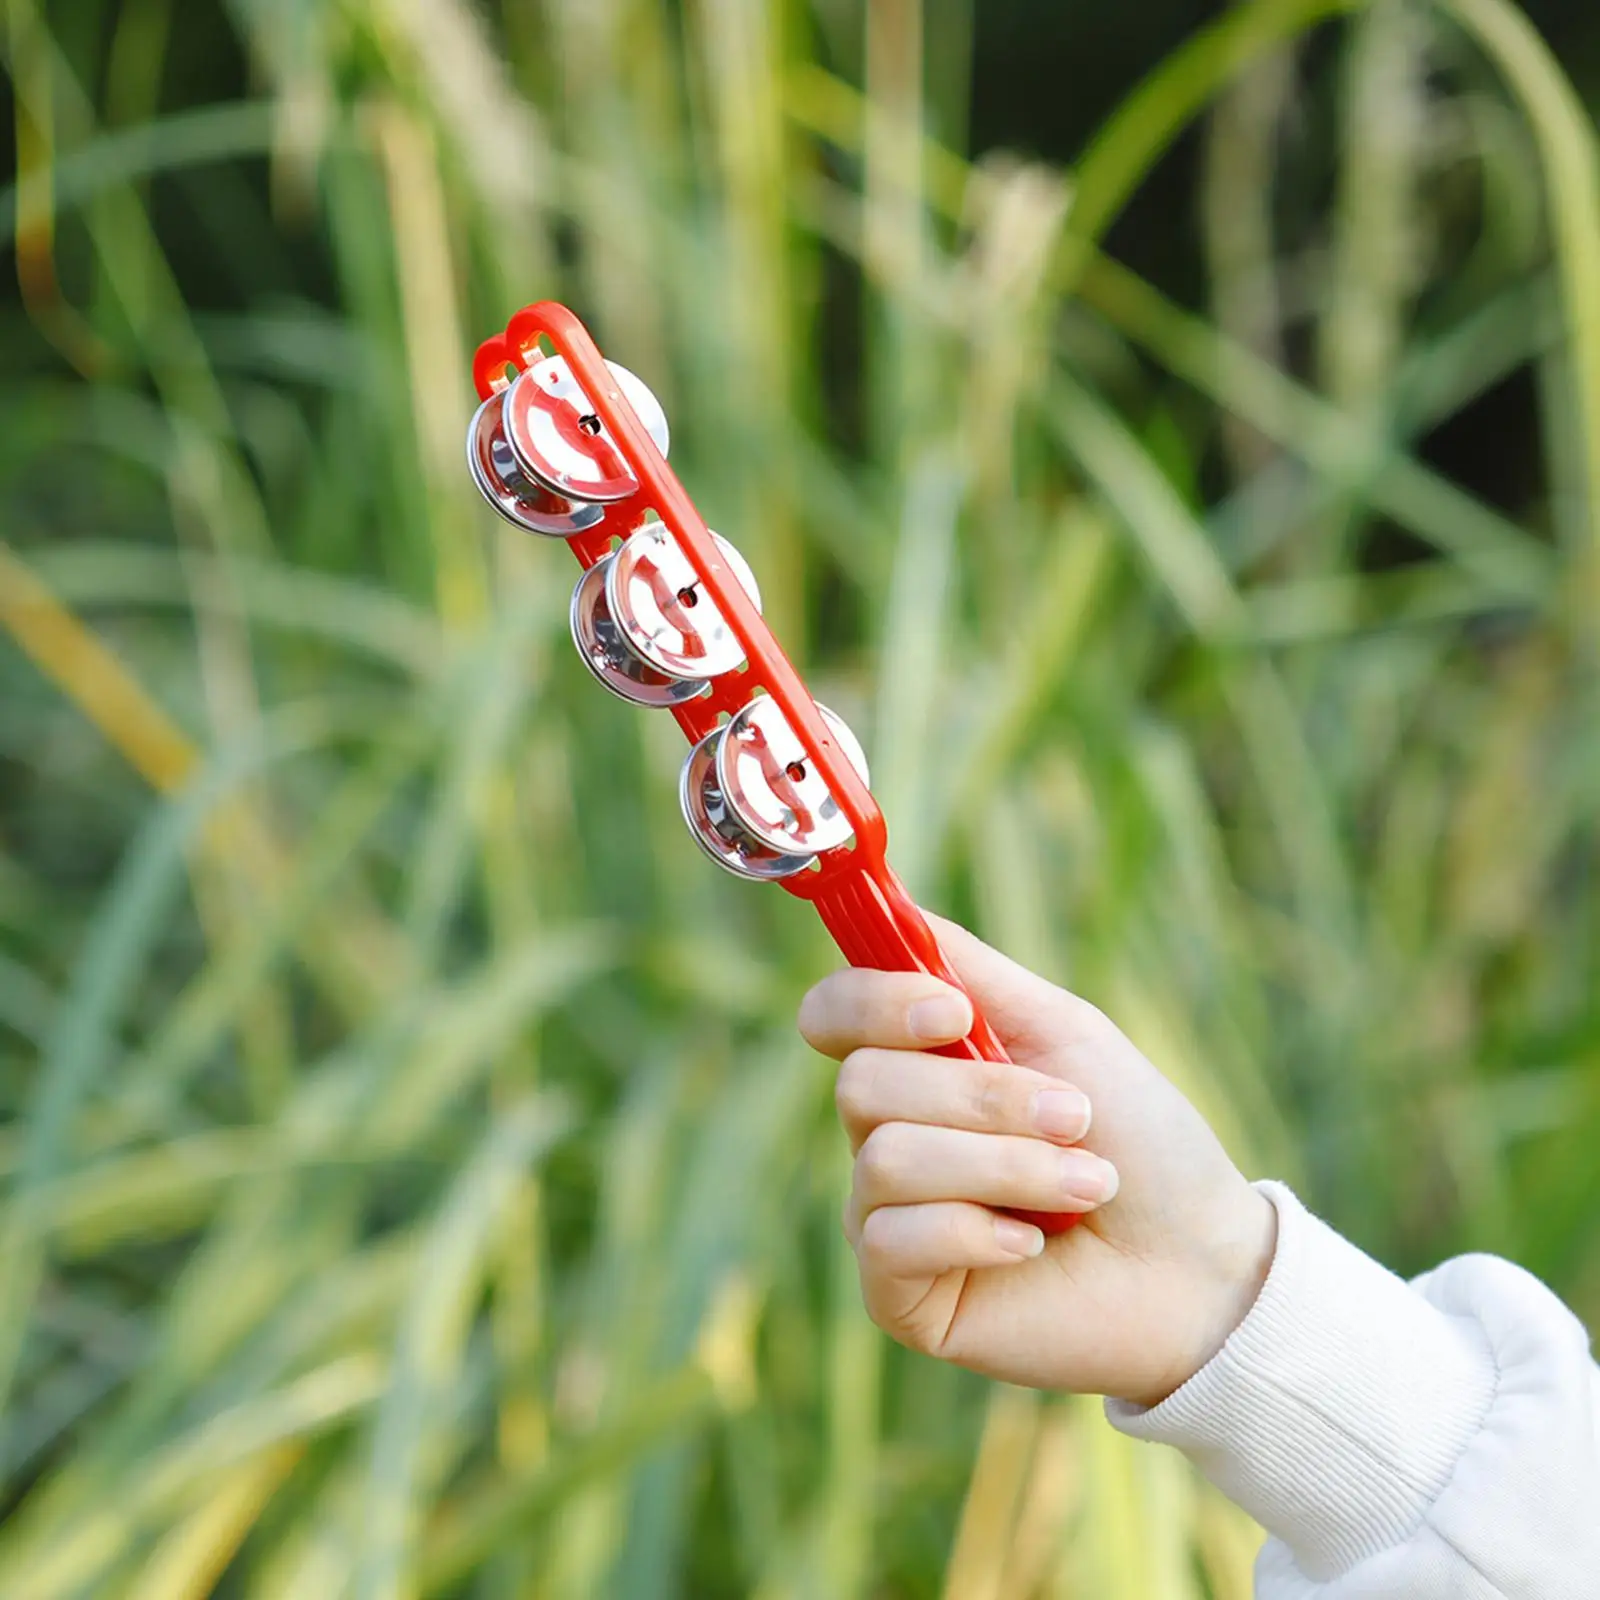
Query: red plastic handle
x=862, y=903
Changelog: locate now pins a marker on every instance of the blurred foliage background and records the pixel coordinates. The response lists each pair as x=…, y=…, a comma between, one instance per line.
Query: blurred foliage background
x=1171, y=436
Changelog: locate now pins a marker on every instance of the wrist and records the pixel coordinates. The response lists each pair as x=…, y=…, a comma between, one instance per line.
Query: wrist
x=1219, y=1283
x=1244, y=1258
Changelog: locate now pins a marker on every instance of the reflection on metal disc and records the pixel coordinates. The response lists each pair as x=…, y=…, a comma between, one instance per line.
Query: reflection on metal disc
x=773, y=787
x=662, y=609
x=715, y=827
x=558, y=440
x=752, y=799
x=607, y=655
x=521, y=500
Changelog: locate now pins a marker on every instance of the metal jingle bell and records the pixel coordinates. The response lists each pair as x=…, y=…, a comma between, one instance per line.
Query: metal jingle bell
x=662, y=612
x=523, y=501
x=753, y=801
x=606, y=654
x=559, y=441
x=717, y=830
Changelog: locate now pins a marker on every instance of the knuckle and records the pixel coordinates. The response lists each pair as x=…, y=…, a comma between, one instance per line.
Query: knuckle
x=815, y=1018
x=877, y=1236
x=990, y=1097
x=853, y=1090
x=882, y=1164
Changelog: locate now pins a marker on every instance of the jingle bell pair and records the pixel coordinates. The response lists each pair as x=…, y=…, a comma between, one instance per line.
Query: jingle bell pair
x=644, y=625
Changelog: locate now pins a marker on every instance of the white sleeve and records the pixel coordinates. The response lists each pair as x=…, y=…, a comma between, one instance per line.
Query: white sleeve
x=1432, y=1441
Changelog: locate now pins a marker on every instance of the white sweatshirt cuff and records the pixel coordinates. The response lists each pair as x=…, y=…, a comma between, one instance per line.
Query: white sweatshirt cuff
x=1338, y=1410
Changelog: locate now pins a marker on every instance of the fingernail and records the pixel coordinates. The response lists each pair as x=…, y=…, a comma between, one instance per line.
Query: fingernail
x=1061, y=1113
x=1020, y=1239
x=941, y=1017
x=1087, y=1177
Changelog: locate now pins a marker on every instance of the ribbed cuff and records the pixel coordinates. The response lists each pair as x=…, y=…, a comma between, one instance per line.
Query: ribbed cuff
x=1338, y=1409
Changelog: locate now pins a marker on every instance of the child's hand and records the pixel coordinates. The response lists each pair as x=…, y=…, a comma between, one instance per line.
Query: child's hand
x=1133, y=1300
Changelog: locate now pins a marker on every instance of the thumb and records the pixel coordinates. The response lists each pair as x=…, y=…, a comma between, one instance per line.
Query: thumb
x=1024, y=1009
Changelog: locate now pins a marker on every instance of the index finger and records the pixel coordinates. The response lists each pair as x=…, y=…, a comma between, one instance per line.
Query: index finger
x=857, y=1007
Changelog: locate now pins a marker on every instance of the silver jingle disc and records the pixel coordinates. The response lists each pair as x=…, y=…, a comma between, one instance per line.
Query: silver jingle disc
x=559, y=441
x=717, y=830
x=522, y=501
x=608, y=657
x=772, y=786
x=663, y=612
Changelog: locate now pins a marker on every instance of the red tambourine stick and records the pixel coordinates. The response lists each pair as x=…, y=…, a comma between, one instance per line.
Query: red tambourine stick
x=862, y=903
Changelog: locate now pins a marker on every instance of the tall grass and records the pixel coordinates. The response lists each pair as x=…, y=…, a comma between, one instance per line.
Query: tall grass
x=414, y=1186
